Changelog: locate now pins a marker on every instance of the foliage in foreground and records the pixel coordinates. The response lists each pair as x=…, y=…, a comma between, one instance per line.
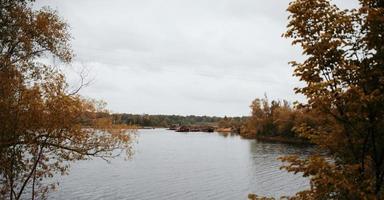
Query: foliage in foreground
x=41, y=122
x=344, y=76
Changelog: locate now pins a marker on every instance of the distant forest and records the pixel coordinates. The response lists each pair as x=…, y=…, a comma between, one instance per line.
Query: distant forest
x=165, y=121
x=275, y=120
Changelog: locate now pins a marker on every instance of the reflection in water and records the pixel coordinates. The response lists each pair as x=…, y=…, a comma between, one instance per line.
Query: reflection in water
x=269, y=179
x=169, y=165
x=226, y=134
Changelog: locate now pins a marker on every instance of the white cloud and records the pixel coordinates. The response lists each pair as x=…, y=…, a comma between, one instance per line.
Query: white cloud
x=202, y=57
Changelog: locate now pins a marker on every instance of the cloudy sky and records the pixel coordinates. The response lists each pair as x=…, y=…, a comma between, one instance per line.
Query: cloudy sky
x=200, y=57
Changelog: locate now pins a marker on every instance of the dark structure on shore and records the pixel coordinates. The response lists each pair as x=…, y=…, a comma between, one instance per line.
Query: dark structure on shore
x=193, y=129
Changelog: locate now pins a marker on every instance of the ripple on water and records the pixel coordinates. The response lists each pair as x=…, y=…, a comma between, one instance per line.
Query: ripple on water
x=189, y=166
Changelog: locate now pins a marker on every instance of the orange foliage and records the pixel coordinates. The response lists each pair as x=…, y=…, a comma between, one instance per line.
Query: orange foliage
x=42, y=124
x=344, y=85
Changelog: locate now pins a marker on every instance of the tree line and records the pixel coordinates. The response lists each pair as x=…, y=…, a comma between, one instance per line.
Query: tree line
x=166, y=121
x=274, y=120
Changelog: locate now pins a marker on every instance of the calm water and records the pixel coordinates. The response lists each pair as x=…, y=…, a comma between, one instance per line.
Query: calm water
x=189, y=166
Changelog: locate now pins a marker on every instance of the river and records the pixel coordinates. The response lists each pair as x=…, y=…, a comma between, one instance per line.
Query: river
x=167, y=165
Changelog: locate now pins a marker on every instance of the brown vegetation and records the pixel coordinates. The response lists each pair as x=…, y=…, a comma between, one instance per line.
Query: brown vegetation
x=275, y=121
x=344, y=77
x=41, y=122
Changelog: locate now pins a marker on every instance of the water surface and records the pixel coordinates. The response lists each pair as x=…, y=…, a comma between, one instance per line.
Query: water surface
x=191, y=166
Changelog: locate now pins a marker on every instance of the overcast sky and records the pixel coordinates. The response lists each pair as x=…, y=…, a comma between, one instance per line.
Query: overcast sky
x=200, y=57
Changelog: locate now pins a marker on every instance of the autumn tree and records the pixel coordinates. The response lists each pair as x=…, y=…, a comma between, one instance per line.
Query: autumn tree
x=274, y=119
x=344, y=75
x=42, y=123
